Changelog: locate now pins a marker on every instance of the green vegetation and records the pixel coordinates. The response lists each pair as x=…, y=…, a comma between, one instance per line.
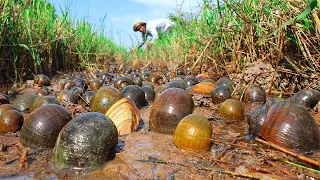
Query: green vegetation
x=35, y=40
x=230, y=34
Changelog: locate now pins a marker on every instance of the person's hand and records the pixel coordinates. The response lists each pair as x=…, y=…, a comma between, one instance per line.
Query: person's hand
x=133, y=50
x=148, y=45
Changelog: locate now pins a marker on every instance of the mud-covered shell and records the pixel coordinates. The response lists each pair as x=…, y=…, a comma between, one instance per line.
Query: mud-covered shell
x=42, y=80
x=42, y=126
x=43, y=100
x=169, y=108
x=122, y=82
x=193, y=133
x=255, y=94
x=24, y=101
x=231, y=109
x=292, y=127
x=125, y=116
x=103, y=99
x=307, y=97
x=10, y=121
x=85, y=142
x=136, y=94
x=220, y=94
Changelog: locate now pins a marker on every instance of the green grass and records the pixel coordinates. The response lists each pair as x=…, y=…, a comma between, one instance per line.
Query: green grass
x=35, y=40
x=230, y=34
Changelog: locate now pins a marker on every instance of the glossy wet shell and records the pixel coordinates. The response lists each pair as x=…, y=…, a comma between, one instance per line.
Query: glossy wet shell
x=43, y=100
x=255, y=120
x=255, y=94
x=172, y=84
x=68, y=96
x=125, y=116
x=6, y=107
x=136, y=94
x=10, y=121
x=169, y=108
x=42, y=126
x=292, y=127
x=24, y=101
x=86, y=97
x=306, y=97
x=189, y=81
x=225, y=81
x=231, y=109
x=104, y=99
x=42, y=80
x=122, y=82
x=95, y=84
x=220, y=94
x=193, y=133
x=3, y=99
x=156, y=79
x=149, y=93
x=84, y=143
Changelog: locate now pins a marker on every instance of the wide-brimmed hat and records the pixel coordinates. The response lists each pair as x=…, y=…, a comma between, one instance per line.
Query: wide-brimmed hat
x=136, y=24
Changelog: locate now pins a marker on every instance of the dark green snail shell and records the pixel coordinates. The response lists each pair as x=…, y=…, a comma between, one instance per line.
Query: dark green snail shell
x=307, y=97
x=136, y=94
x=220, y=94
x=225, y=81
x=85, y=142
x=149, y=93
x=189, y=81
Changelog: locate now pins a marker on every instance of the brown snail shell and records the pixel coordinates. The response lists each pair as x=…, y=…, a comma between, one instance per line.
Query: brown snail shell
x=231, y=109
x=202, y=88
x=137, y=81
x=307, y=97
x=136, y=94
x=42, y=80
x=42, y=100
x=189, y=81
x=292, y=127
x=24, y=101
x=157, y=91
x=104, y=99
x=145, y=75
x=42, y=126
x=40, y=92
x=6, y=107
x=10, y=121
x=257, y=116
x=3, y=99
x=169, y=108
x=172, y=84
x=193, y=133
x=220, y=94
x=95, y=84
x=156, y=79
x=122, y=82
x=255, y=94
x=68, y=96
x=81, y=83
x=85, y=142
x=125, y=116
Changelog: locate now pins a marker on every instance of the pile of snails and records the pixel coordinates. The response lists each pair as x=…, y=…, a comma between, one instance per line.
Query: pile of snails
x=114, y=101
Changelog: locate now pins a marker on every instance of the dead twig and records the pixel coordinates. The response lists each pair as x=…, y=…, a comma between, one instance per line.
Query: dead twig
x=286, y=151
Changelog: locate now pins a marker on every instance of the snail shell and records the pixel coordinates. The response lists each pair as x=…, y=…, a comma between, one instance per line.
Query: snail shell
x=145, y=76
x=137, y=81
x=189, y=81
x=156, y=79
x=149, y=93
x=255, y=94
x=95, y=84
x=225, y=81
x=24, y=101
x=81, y=83
x=157, y=91
x=3, y=99
x=122, y=82
x=231, y=109
x=220, y=94
x=10, y=121
x=86, y=97
x=6, y=107
x=84, y=143
x=40, y=92
x=169, y=108
x=193, y=133
x=42, y=80
x=104, y=99
x=136, y=94
x=42, y=126
x=125, y=116
x=290, y=126
x=172, y=84
x=68, y=96
x=42, y=100
x=307, y=97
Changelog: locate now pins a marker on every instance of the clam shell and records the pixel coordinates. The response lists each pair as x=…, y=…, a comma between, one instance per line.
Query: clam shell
x=202, y=88
x=124, y=115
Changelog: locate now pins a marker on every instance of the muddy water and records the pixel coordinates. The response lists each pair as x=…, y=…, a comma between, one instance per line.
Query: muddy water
x=148, y=155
